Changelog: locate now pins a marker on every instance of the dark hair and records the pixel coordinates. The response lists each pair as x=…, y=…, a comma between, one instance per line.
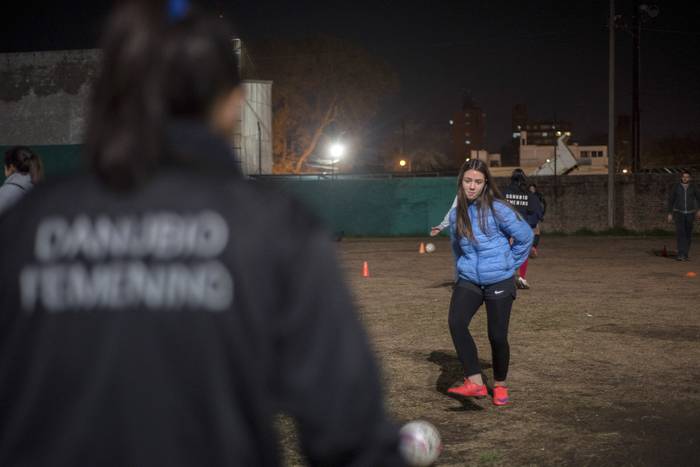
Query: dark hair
x=484, y=202
x=518, y=177
x=686, y=172
x=25, y=161
x=155, y=67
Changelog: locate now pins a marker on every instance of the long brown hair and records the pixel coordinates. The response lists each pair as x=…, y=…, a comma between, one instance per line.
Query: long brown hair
x=484, y=202
x=156, y=65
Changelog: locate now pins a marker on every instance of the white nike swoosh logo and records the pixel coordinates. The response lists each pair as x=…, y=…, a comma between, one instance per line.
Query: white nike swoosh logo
x=498, y=291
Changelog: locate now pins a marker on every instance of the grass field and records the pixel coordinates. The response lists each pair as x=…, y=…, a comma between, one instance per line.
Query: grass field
x=605, y=353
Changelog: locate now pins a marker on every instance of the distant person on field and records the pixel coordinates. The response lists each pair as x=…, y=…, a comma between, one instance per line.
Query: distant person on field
x=684, y=208
x=23, y=169
x=162, y=310
x=529, y=207
x=490, y=240
x=543, y=203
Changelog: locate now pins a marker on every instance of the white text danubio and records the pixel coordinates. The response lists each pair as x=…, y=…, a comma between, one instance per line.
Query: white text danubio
x=158, y=261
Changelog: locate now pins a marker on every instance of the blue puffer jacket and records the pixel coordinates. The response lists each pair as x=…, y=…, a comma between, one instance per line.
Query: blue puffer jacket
x=491, y=258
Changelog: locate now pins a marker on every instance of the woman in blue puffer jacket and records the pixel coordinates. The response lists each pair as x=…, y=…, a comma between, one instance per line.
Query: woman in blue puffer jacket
x=490, y=241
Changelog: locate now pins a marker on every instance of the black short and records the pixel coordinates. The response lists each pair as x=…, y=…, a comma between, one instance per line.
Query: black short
x=495, y=291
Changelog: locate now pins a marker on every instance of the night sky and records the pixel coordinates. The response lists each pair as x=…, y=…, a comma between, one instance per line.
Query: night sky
x=551, y=56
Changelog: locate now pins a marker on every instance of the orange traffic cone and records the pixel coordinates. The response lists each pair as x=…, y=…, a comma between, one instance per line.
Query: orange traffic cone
x=691, y=274
x=421, y=250
x=365, y=269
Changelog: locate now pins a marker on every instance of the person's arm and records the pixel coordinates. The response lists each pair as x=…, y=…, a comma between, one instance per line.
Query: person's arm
x=671, y=202
x=445, y=220
x=516, y=228
x=327, y=377
x=9, y=195
x=534, y=210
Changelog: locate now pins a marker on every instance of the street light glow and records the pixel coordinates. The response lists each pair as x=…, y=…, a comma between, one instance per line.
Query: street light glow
x=337, y=151
x=402, y=163
x=624, y=171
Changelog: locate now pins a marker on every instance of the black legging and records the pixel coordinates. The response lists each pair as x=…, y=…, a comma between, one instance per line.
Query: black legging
x=466, y=300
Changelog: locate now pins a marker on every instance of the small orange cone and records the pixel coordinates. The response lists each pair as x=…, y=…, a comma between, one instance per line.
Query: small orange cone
x=421, y=250
x=691, y=274
x=365, y=269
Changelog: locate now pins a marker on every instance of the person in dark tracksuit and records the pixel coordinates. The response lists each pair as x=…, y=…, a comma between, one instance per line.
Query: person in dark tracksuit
x=543, y=204
x=529, y=207
x=482, y=226
x=683, y=209
x=162, y=310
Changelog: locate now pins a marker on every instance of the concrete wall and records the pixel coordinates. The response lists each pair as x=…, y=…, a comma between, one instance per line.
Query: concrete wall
x=43, y=96
x=581, y=202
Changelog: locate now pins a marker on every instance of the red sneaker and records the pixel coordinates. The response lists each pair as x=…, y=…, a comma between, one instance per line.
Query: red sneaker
x=500, y=395
x=469, y=389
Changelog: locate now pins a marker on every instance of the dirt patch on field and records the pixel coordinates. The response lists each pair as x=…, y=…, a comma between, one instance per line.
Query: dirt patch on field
x=605, y=353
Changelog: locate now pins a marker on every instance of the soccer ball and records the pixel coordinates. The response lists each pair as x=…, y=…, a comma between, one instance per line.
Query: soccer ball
x=420, y=443
x=429, y=248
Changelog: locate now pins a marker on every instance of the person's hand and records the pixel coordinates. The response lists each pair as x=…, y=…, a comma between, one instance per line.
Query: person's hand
x=435, y=230
x=669, y=218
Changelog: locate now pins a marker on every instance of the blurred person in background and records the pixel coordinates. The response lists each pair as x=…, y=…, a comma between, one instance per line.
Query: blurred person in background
x=152, y=312
x=23, y=170
x=528, y=206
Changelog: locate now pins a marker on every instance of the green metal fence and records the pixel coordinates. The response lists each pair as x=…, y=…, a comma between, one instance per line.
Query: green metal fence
x=375, y=207
x=357, y=206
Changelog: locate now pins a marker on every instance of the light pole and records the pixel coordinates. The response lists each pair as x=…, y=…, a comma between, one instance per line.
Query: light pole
x=611, y=116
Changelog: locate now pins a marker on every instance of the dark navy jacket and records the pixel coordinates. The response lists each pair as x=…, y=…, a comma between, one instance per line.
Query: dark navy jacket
x=168, y=325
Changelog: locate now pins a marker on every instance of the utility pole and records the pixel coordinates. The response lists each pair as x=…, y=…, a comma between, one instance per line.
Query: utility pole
x=259, y=150
x=611, y=116
x=636, y=31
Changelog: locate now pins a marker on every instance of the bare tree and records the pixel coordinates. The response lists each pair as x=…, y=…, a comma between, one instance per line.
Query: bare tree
x=318, y=82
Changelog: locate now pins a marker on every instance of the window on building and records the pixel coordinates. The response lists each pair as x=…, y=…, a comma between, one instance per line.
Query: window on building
x=544, y=134
x=584, y=154
x=466, y=133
